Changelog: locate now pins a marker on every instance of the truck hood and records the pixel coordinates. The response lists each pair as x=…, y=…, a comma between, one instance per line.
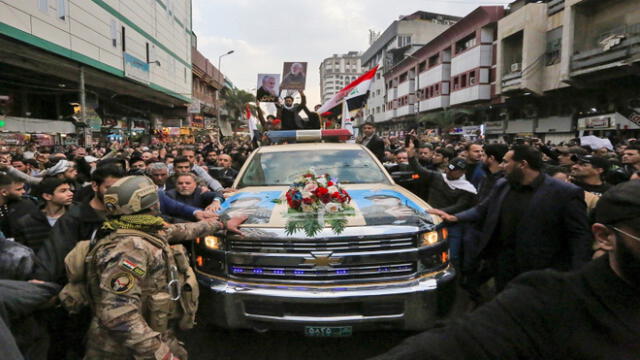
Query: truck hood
x=374, y=204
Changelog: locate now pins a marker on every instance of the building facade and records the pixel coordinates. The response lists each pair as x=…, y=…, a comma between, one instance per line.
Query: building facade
x=455, y=69
x=128, y=63
x=207, y=81
x=338, y=71
x=568, y=68
x=399, y=40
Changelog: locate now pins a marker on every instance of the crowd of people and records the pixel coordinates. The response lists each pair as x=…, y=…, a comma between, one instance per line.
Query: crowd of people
x=509, y=209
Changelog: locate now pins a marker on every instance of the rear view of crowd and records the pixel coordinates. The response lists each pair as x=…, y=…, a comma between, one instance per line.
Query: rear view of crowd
x=51, y=200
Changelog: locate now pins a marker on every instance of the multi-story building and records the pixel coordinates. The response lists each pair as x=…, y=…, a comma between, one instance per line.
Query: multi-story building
x=338, y=71
x=398, y=41
x=207, y=81
x=567, y=68
x=456, y=68
x=127, y=62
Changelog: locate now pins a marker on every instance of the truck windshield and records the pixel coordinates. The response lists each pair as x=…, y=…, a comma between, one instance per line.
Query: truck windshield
x=281, y=168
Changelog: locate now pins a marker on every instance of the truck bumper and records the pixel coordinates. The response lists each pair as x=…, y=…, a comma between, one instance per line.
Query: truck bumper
x=404, y=305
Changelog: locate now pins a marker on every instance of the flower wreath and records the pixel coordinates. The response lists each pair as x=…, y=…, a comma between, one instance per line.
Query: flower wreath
x=315, y=200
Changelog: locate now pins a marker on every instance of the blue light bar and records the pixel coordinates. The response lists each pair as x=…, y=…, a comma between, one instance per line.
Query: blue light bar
x=309, y=135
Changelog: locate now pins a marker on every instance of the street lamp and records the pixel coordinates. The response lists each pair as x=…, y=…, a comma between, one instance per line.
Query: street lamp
x=221, y=83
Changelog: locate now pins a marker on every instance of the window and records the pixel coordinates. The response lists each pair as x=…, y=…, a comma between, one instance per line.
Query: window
x=147, y=52
x=472, y=78
x=378, y=92
x=463, y=80
x=43, y=5
x=456, y=83
x=554, y=46
x=123, y=39
x=433, y=60
x=114, y=33
x=466, y=43
x=422, y=66
x=62, y=9
x=404, y=40
x=404, y=77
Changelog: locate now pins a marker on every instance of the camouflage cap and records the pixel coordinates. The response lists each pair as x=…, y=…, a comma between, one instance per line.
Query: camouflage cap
x=130, y=195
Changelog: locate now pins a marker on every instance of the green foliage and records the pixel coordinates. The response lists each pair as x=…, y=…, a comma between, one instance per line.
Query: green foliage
x=235, y=101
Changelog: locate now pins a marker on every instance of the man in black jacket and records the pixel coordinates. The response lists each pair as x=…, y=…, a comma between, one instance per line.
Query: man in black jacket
x=79, y=223
x=288, y=111
x=530, y=220
x=589, y=314
x=13, y=204
x=372, y=141
x=34, y=227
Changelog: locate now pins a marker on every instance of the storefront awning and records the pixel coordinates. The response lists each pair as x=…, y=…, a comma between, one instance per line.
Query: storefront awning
x=29, y=125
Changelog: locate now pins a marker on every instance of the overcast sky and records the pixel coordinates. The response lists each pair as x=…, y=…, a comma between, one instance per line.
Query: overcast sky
x=264, y=34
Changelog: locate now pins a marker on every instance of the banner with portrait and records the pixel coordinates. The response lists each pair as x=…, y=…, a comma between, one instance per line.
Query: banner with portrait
x=294, y=75
x=268, y=87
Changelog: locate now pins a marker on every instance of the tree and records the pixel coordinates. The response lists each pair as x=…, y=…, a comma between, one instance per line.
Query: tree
x=235, y=101
x=446, y=118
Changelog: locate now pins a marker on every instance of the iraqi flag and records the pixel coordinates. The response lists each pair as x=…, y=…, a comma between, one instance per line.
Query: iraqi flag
x=355, y=94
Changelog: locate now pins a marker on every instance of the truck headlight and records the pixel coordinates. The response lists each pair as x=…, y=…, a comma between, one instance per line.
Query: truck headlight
x=210, y=242
x=429, y=238
x=433, y=237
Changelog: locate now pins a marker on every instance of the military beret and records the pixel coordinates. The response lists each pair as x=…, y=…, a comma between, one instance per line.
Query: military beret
x=620, y=203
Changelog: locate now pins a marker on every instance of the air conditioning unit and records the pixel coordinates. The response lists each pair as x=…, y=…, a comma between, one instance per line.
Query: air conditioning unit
x=515, y=67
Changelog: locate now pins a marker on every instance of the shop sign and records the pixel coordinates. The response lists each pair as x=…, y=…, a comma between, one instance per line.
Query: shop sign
x=597, y=122
x=494, y=125
x=135, y=68
x=194, y=107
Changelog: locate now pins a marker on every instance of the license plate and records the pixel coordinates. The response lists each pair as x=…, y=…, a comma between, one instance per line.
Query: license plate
x=328, y=331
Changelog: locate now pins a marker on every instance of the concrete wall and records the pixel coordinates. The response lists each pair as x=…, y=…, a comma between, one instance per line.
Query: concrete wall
x=90, y=31
x=531, y=22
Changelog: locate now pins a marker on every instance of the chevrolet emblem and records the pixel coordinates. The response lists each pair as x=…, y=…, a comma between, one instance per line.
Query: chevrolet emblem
x=322, y=259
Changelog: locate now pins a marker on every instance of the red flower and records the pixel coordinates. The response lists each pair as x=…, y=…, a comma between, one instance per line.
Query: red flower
x=320, y=191
x=307, y=201
x=326, y=198
x=330, y=183
x=336, y=195
x=294, y=204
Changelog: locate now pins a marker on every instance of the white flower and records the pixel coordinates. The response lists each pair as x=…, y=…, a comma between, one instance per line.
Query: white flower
x=307, y=208
x=305, y=194
x=333, y=207
x=332, y=189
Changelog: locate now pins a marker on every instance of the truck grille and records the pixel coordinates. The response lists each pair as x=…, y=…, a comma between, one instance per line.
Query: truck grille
x=329, y=273
x=297, y=246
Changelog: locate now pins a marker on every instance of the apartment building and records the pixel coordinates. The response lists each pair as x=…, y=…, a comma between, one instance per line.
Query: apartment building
x=456, y=68
x=567, y=68
x=337, y=71
x=127, y=62
x=400, y=40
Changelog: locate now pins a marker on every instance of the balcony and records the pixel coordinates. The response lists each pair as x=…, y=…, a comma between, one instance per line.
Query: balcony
x=512, y=80
x=555, y=6
x=616, y=47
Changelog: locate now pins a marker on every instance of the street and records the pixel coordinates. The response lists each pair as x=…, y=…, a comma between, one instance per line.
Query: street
x=204, y=343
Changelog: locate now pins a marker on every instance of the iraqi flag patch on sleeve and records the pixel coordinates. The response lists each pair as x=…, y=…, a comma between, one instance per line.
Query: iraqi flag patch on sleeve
x=132, y=267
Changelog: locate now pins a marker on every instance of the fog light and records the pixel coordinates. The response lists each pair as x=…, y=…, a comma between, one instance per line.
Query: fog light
x=429, y=238
x=212, y=242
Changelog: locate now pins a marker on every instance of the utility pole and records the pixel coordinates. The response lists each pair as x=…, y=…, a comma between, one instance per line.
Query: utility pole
x=83, y=107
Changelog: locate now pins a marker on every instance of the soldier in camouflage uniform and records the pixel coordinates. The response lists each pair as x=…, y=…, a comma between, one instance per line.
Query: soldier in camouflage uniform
x=141, y=288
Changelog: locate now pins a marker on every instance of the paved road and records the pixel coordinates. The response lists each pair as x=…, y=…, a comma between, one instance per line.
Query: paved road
x=208, y=343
